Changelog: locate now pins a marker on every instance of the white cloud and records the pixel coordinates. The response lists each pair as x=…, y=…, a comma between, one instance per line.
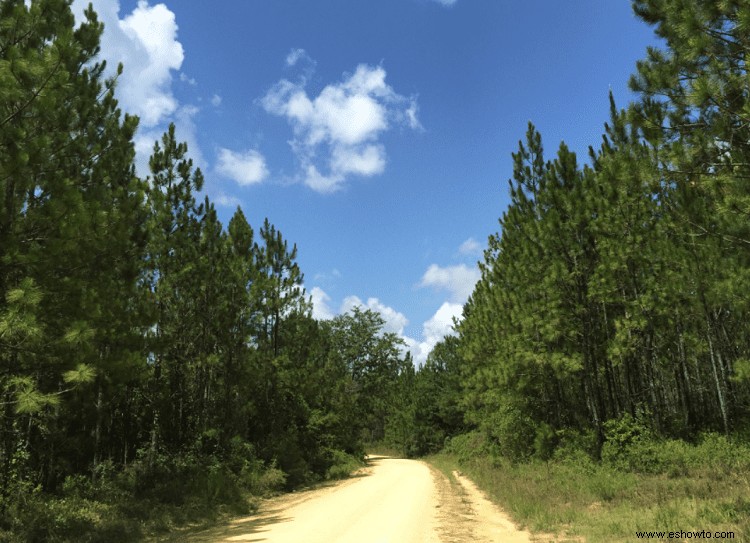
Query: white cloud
x=458, y=280
x=216, y=100
x=225, y=200
x=470, y=247
x=411, y=116
x=189, y=80
x=321, y=183
x=247, y=168
x=445, y=2
x=434, y=330
x=441, y=323
x=152, y=31
x=368, y=160
x=297, y=55
x=328, y=276
x=321, y=310
x=395, y=322
x=145, y=41
x=343, y=123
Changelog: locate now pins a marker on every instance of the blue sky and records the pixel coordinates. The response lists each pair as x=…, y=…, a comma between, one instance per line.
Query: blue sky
x=376, y=135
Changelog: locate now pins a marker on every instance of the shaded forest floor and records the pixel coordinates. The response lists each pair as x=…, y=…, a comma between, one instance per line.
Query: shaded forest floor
x=578, y=499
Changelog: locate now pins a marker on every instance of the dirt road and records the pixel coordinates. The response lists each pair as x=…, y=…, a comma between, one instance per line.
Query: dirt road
x=392, y=501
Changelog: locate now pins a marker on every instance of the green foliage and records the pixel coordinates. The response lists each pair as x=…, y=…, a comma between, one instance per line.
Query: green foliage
x=64, y=519
x=616, y=288
x=342, y=465
x=82, y=374
x=468, y=446
x=513, y=431
x=544, y=442
x=372, y=371
x=185, y=373
x=189, y=371
x=575, y=447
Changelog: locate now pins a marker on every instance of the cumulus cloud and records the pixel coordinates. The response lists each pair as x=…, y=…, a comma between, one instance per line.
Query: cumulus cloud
x=395, y=322
x=336, y=134
x=189, y=80
x=225, y=200
x=441, y=323
x=296, y=56
x=470, y=247
x=145, y=41
x=320, y=308
x=434, y=330
x=458, y=280
x=246, y=168
x=328, y=276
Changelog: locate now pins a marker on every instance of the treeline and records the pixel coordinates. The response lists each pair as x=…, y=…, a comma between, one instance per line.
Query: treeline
x=143, y=345
x=614, y=298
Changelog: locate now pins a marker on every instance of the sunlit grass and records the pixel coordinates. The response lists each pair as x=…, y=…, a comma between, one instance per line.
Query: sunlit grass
x=601, y=504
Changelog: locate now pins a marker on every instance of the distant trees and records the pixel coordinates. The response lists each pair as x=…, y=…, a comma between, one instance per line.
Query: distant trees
x=427, y=410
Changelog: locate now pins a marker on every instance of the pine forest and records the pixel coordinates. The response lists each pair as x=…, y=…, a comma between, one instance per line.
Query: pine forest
x=153, y=358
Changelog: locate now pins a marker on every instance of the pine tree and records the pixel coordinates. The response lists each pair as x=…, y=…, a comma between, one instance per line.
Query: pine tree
x=69, y=200
x=174, y=282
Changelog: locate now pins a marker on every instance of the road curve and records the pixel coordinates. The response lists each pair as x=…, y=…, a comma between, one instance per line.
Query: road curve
x=393, y=501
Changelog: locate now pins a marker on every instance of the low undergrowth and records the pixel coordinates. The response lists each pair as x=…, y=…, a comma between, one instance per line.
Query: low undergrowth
x=647, y=485
x=150, y=498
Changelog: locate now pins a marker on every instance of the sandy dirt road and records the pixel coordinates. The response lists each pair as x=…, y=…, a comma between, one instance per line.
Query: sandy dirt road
x=392, y=501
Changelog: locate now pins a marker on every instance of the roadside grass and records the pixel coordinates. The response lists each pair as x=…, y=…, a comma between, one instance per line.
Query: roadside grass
x=577, y=497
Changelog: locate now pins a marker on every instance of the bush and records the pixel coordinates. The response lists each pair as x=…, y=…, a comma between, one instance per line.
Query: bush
x=342, y=465
x=720, y=455
x=632, y=447
x=575, y=447
x=61, y=519
x=262, y=481
x=628, y=444
x=514, y=432
x=468, y=446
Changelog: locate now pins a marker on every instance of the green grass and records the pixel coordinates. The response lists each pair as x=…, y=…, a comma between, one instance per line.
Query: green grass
x=576, y=497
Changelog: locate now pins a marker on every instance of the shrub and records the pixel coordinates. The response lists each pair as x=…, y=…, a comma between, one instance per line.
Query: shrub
x=627, y=443
x=720, y=455
x=59, y=519
x=575, y=447
x=271, y=480
x=468, y=446
x=514, y=433
x=342, y=465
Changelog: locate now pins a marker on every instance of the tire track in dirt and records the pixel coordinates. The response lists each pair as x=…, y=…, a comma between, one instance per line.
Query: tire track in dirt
x=391, y=501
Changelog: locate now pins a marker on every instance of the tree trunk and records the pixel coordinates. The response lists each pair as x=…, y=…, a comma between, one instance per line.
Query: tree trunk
x=97, y=430
x=717, y=382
